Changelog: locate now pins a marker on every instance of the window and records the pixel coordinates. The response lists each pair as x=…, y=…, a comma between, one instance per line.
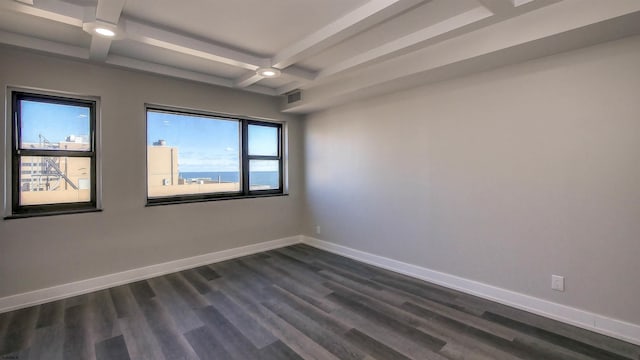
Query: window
x=53, y=154
x=197, y=156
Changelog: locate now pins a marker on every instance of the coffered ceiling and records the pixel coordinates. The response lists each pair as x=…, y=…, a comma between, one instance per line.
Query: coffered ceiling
x=332, y=51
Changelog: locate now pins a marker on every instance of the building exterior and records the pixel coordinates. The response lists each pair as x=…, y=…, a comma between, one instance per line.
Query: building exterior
x=162, y=165
x=54, y=179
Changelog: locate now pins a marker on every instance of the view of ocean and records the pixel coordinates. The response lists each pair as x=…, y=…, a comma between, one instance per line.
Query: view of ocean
x=257, y=177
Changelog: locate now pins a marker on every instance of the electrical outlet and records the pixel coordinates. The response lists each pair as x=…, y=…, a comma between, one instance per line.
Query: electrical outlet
x=318, y=229
x=557, y=282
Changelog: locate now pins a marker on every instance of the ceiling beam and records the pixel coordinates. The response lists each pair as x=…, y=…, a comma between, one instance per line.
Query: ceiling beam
x=498, y=6
x=75, y=15
x=247, y=80
x=108, y=11
x=294, y=72
x=369, y=14
x=147, y=66
x=155, y=36
x=509, y=8
x=299, y=73
x=517, y=3
x=408, y=41
x=165, y=70
x=99, y=48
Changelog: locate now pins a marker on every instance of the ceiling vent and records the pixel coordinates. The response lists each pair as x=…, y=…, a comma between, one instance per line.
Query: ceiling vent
x=294, y=96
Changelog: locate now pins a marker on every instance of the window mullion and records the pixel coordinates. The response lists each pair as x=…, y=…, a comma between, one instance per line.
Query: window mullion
x=245, y=157
x=263, y=157
x=65, y=153
x=280, y=161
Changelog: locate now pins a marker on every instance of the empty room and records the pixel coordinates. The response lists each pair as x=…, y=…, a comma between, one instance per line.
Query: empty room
x=320, y=179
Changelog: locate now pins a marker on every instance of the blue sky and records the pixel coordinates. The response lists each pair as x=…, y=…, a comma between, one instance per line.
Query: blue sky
x=205, y=144
x=53, y=121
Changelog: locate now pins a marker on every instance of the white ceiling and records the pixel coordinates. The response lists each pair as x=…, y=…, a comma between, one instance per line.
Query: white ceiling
x=334, y=51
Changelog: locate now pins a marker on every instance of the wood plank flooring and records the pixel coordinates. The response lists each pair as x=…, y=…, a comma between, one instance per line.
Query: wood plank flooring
x=292, y=303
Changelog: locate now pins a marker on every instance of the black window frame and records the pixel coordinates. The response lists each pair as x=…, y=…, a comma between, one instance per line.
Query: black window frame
x=18, y=210
x=245, y=191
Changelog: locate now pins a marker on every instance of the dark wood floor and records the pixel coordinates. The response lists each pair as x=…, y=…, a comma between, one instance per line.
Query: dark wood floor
x=292, y=303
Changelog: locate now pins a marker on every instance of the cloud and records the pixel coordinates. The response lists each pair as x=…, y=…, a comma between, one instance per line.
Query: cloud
x=209, y=163
x=82, y=116
x=228, y=148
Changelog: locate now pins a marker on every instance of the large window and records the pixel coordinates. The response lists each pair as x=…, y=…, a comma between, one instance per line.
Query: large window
x=194, y=156
x=53, y=154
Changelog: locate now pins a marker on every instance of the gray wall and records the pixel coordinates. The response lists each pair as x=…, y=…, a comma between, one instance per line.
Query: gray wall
x=41, y=252
x=505, y=177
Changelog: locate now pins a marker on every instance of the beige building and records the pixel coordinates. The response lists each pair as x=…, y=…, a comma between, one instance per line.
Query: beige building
x=56, y=179
x=162, y=165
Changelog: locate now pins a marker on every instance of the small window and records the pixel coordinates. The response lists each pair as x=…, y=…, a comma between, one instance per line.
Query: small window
x=54, y=154
x=196, y=156
x=264, y=156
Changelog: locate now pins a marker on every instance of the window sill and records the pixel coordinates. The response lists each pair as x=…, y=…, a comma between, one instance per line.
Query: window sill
x=51, y=213
x=162, y=202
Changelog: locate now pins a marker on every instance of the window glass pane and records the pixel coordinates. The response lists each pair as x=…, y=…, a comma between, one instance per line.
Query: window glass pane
x=54, y=126
x=263, y=140
x=54, y=179
x=190, y=154
x=264, y=175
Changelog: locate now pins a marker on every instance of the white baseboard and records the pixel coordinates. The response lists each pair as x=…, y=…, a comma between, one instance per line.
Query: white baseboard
x=587, y=320
x=58, y=292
